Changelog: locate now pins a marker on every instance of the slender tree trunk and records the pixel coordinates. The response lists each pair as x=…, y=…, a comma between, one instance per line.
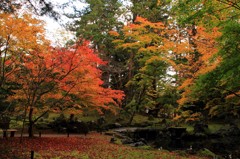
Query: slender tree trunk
x=30, y=127
x=23, y=126
x=131, y=118
x=130, y=93
x=139, y=100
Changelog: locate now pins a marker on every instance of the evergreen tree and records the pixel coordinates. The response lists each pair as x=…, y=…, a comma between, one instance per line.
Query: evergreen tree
x=94, y=24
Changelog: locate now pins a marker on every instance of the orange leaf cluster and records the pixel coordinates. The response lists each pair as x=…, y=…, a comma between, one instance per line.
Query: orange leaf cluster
x=206, y=47
x=59, y=73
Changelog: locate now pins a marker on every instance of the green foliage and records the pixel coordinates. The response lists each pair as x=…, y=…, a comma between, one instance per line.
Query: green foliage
x=95, y=22
x=132, y=105
x=222, y=83
x=206, y=153
x=230, y=47
x=15, y=124
x=208, y=12
x=98, y=18
x=219, y=88
x=147, y=63
x=154, y=11
x=140, y=119
x=215, y=127
x=181, y=153
x=145, y=147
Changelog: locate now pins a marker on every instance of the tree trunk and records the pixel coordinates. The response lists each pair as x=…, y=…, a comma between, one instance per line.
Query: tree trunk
x=131, y=118
x=137, y=105
x=23, y=126
x=30, y=127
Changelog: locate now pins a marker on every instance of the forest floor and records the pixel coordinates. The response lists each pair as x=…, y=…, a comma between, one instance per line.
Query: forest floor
x=91, y=146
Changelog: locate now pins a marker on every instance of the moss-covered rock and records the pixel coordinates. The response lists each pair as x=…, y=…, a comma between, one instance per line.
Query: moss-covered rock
x=206, y=153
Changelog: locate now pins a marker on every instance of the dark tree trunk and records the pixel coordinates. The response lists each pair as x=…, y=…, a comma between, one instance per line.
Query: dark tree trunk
x=131, y=118
x=30, y=127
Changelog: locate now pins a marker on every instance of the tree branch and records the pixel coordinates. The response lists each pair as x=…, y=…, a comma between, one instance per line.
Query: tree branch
x=237, y=95
x=230, y=3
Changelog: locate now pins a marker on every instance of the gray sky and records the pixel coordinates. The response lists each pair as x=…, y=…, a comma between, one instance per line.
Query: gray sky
x=54, y=31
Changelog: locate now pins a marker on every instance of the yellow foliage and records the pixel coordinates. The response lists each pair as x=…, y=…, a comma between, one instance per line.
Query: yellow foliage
x=181, y=48
x=144, y=39
x=182, y=100
x=73, y=111
x=144, y=22
x=186, y=83
x=134, y=45
x=22, y=33
x=177, y=117
x=232, y=95
x=207, y=46
x=118, y=41
x=113, y=33
x=153, y=59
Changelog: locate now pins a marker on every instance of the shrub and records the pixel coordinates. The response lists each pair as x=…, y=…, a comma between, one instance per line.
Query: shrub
x=206, y=153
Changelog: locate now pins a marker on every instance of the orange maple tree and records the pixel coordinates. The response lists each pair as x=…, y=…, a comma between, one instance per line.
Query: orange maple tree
x=19, y=35
x=63, y=78
x=198, y=60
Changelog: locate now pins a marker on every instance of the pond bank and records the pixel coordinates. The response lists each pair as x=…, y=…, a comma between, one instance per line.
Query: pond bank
x=226, y=146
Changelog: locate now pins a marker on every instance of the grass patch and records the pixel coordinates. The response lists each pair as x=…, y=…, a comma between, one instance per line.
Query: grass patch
x=145, y=147
x=139, y=119
x=189, y=128
x=206, y=153
x=214, y=127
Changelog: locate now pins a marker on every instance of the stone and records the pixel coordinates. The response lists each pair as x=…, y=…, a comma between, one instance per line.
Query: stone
x=136, y=144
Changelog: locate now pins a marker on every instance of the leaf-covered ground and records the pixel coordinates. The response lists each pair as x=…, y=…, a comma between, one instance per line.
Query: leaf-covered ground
x=93, y=146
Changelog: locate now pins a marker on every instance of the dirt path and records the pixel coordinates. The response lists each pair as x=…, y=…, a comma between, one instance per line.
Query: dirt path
x=47, y=135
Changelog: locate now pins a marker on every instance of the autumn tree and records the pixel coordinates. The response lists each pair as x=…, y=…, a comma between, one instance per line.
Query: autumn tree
x=62, y=79
x=150, y=47
x=199, y=60
x=222, y=97
x=19, y=34
x=216, y=86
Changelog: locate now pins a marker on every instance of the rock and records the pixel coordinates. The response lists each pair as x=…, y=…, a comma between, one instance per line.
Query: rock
x=111, y=126
x=127, y=141
x=136, y=144
x=143, y=141
x=201, y=135
x=117, y=125
x=113, y=140
x=233, y=130
x=206, y=153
